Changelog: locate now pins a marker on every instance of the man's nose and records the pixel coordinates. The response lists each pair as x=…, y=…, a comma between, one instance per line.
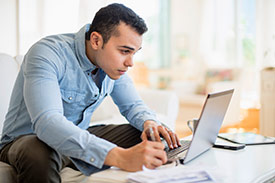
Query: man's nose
x=129, y=62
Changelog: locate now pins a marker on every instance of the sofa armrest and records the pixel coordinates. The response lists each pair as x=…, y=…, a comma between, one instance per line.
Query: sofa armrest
x=8, y=72
x=7, y=173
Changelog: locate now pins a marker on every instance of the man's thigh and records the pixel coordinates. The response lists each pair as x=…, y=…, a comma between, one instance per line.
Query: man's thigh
x=33, y=160
x=123, y=135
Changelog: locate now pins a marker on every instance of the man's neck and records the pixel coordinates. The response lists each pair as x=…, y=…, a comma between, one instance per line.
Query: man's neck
x=89, y=52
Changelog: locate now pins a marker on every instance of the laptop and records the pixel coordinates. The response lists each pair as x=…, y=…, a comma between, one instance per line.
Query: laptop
x=208, y=127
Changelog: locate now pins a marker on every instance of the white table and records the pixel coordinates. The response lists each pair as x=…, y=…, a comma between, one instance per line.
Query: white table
x=251, y=164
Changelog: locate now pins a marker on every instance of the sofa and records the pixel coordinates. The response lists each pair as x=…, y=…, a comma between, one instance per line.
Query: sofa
x=165, y=103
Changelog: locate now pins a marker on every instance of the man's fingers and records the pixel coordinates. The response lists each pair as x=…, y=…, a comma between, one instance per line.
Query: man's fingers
x=154, y=163
x=166, y=136
x=173, y=138
x=147, y=153
x=155, y=159
x=170, y=137
x=160, y=155
x=156, y=145
x=156, y=132
x=178, y=140
x=144, y=136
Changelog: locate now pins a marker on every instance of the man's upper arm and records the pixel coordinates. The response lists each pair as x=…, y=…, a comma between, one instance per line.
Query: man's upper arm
x=41, y=89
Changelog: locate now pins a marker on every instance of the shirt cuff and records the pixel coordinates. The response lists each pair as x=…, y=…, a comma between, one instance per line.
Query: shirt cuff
x=94, y=158
x=96, y=154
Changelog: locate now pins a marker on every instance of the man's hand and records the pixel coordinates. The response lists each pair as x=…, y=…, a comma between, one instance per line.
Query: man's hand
x=147, y=153
x=170, y=137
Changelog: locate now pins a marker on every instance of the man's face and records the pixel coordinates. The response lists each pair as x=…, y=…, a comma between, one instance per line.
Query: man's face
x=117, y=54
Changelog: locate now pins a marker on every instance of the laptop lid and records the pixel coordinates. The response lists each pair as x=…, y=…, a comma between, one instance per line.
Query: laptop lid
x=209, y=123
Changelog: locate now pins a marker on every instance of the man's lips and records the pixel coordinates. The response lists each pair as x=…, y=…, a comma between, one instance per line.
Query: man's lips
x=122, y=71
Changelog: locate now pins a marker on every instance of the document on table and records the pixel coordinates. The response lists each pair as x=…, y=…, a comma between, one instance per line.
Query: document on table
x=178, y=174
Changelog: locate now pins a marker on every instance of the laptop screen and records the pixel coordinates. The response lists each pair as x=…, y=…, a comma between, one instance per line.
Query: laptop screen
x=209, y=123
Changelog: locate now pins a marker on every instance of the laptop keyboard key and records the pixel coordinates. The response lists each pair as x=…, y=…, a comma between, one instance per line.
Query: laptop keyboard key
x=173, y=152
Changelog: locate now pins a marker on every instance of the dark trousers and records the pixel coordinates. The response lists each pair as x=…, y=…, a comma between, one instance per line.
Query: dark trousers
x=34, y=161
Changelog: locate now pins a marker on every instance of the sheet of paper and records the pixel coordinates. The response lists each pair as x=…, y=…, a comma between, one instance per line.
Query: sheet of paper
x=178, y=174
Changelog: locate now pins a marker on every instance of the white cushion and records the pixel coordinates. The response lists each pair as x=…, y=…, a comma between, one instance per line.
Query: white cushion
x=8, y=72
x=165, y=104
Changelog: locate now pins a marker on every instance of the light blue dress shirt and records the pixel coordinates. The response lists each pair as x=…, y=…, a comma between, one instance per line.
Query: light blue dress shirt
x=55, y=96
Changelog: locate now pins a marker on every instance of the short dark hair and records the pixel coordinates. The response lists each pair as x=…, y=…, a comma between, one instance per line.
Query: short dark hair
x=108, y=18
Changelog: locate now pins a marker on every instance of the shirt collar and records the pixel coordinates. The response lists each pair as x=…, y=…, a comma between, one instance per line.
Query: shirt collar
x=80, y=50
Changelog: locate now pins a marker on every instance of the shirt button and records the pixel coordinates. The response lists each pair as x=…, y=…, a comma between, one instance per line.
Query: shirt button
x=92, y=159
x=95, y=95
x=70, y=98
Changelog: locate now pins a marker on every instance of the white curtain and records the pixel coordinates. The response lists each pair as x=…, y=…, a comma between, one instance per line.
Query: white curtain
x=265, y=47
x=45, y=17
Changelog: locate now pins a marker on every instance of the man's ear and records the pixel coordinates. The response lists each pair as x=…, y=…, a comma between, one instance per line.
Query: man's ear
x=96, y=40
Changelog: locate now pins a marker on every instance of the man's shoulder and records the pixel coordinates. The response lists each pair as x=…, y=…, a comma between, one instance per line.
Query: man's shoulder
x=59, y=41
x=53, y=47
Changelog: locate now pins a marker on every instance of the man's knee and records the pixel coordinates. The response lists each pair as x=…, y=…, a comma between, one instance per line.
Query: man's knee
x=31, y=156
x=30, y=149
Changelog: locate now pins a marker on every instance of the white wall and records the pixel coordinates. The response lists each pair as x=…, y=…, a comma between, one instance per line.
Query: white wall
x=8, y=27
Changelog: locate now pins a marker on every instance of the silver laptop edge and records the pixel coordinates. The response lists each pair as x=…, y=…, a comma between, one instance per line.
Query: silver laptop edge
x=209, y=124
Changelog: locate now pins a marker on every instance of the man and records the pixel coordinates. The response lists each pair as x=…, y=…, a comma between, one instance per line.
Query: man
x=62, y=80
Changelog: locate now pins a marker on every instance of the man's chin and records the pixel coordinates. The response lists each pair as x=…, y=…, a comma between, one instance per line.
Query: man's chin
x=114, y=77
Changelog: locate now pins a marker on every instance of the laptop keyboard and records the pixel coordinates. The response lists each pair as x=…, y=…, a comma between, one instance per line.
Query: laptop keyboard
x=171, y=153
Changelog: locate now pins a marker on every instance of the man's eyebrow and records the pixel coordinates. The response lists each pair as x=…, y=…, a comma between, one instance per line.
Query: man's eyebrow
x=130, y=48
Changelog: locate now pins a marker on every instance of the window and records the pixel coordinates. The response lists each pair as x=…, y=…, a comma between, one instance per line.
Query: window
x=50, y=17
x=223, y=32
x=215, y=41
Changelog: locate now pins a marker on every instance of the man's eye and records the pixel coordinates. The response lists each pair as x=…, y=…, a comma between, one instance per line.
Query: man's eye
x=125, y=51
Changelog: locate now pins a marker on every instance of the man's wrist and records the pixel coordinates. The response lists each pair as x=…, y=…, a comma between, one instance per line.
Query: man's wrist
x=149, y=123
x=112, y=158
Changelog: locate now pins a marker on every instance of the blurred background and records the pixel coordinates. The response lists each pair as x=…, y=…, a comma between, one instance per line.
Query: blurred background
x=192, y=47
